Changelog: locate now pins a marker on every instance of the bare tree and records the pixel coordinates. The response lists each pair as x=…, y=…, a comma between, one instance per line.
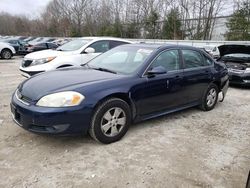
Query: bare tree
x=124, y=18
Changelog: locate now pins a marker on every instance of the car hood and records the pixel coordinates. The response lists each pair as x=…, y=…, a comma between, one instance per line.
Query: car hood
x=62, y=80
x=233, y=49
x=47, y=53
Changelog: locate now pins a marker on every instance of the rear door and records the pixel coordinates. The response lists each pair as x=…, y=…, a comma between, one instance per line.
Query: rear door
x=197, y=74
x=163, y=91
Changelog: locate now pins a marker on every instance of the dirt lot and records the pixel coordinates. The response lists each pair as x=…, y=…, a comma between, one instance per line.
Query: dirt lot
x=185, y=149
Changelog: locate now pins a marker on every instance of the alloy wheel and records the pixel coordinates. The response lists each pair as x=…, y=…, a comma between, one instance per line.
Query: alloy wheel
x=113, y=122
x=6, y=55
x=211, y=97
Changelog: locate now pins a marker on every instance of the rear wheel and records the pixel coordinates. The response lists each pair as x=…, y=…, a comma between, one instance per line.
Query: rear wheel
x=210, y=98
x=110, y=121
x=6, y=54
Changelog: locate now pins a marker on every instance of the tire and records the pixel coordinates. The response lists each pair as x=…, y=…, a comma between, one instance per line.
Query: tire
x=110, y=121
x=6, y=54
x=210, y=98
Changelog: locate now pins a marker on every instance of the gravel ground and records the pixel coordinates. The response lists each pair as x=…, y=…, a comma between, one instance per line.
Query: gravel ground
x=190, y=148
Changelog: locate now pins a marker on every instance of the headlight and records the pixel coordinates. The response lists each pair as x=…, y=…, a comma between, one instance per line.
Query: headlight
x=42, y=61
x=61, y=99
x=247, y=70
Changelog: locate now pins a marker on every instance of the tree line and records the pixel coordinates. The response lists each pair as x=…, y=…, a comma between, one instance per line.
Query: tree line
x=161, y=19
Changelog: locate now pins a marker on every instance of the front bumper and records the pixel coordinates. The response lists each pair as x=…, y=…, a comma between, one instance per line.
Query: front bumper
x=56, y=121
x=239, y=79
x=29, y=71
x=28, y=74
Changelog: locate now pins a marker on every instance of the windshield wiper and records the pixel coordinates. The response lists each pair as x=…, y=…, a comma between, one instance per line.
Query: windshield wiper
x=103, y=69
x=98, y=68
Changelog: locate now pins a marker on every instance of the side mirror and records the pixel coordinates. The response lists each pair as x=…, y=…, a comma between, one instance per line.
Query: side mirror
x=157, y=70
x=89, y=50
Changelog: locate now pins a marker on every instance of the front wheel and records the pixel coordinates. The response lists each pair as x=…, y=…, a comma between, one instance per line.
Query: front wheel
x=6, y=54
x=110, y=121
x=210, y=98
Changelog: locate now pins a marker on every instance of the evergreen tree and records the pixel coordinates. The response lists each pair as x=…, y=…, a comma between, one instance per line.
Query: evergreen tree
x=172, y=25
x=151, y=25
x=239, y=24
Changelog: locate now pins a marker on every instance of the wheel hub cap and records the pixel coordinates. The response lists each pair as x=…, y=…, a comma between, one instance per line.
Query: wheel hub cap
x=211, y=97
x=113, y=122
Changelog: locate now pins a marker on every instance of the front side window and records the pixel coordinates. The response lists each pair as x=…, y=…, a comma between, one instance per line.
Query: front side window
x=13, y=42
x=100, y=46
x=192, y=59
x=169, y=60
x=207, y=61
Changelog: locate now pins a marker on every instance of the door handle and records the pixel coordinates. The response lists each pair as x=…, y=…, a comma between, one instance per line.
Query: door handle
x=167, y=84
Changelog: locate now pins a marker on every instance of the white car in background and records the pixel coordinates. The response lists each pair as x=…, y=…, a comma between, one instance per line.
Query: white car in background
x=74, y=53
x=213, y=50
x=6, y=50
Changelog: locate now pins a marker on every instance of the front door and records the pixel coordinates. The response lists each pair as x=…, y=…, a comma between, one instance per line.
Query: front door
x=163, y=91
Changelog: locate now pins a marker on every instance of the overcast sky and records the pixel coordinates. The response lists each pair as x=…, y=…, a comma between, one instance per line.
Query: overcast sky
x=30, y=8
x=33, y=8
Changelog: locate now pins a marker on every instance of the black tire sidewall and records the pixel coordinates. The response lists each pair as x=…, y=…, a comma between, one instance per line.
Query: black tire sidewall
x=204, y=101
x=100, y=111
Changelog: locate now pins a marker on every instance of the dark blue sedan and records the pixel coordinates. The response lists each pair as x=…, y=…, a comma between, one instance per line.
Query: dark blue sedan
x=127, y=84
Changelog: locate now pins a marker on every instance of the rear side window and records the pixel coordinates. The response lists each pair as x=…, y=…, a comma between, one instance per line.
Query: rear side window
x=100, y=46
x=192, y=59
x=116, y=43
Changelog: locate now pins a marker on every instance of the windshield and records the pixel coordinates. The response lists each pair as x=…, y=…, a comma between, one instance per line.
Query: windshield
x=124, y=60
x=73, y=45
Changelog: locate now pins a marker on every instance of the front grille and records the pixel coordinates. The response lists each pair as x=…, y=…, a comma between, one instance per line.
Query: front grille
x=26, y=63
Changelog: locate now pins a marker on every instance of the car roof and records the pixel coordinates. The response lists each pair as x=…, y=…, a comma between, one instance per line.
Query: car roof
x=105, y=38
x=160, y=46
